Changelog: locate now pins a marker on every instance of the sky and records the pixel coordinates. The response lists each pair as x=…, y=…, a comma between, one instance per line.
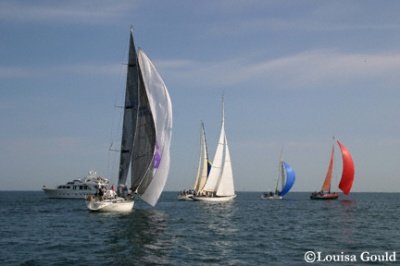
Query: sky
x=293, y=73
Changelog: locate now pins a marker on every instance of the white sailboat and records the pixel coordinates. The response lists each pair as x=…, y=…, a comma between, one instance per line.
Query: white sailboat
x=202, y=170
x=146, y=137
x=219, y=186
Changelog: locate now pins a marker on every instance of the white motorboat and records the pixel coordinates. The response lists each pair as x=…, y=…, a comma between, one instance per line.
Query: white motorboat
x=78, y=188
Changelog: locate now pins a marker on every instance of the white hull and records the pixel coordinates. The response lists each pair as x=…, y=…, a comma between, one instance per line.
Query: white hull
x=274, y=197
x=110, y=205
x=214, y=199
x=65, y=193
x=185, y=197
x=78, y=188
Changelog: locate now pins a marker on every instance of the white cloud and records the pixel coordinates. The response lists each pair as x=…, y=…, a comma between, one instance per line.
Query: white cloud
x=16, y=72
x=311, y=69
x=77, y=11
x=78, y=69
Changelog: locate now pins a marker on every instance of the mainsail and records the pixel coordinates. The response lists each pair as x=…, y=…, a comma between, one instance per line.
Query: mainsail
x=326, y=186
x=202, y=170
x=226, y=186
x=147, y=127
x=347, y=179
x=289, y=178
x=130, y=116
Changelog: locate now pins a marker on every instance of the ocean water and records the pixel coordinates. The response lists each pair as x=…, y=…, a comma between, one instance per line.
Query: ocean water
x=248, y=231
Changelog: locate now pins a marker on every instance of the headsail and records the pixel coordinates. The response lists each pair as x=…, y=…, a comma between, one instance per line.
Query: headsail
x=144, y=141
x=216, y=167
x=203, y=168
x=130, y=116
x=290, y=178
x=326, y=187
x=160, y=106
x=347, y=179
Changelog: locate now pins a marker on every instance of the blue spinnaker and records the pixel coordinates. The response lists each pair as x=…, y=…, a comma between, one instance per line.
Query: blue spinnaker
x=290, y=177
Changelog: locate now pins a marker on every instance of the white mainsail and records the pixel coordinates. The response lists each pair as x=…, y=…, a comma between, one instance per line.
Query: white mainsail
x=220, y=179
x=226, y=186
x=202, y=170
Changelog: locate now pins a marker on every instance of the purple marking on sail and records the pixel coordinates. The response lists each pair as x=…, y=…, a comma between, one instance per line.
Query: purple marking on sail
x=157, y=157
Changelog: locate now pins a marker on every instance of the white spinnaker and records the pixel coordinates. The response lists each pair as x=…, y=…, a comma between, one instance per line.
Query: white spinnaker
x=161, y=108
x=226, y=186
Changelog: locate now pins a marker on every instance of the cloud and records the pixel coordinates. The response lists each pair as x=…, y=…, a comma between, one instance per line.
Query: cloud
x=77, y=69
x=315, y=69
x=75, y=11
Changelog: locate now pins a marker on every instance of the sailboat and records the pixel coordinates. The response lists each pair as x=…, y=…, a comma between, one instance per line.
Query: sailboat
x=203, y=169
x=286, y=178
x=346, y=181
x=146, y=137
x=219, y=186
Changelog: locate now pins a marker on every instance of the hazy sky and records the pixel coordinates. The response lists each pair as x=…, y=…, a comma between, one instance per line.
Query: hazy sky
x=294, y=74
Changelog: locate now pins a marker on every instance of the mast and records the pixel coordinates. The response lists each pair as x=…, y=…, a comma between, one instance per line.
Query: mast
x=130, y=116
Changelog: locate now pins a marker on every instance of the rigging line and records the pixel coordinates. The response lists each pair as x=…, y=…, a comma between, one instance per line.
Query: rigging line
x=118, y=97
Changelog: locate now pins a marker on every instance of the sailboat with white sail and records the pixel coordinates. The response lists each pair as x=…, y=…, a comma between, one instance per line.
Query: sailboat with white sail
x=219, y=186
x=146, y=137
x=203, y=169
x=346, y=182
x=284, y=183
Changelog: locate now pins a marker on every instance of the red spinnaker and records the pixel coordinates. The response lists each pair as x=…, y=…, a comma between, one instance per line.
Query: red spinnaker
x=347, y=179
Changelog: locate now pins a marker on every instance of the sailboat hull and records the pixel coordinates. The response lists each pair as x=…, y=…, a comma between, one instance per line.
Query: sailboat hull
x=214, y=199
x=185, y=197
x=324, y=196
x=271, y=197
x=109, y=205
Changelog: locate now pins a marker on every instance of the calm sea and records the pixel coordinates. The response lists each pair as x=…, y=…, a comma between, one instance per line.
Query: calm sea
x=248, y=231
